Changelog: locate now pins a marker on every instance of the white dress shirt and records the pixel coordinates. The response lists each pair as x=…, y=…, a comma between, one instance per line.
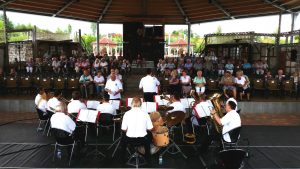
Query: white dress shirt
x=230, y=121
x=52, y=104
x=37, y=99
x=106, y=108
x=114, y=86
x=136, y=122
x=75, y=105
x=42, y=105
x=149, y=84
x=177, y=107
x=62, y=122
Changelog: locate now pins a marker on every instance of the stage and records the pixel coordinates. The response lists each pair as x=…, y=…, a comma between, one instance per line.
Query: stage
x=270, y=147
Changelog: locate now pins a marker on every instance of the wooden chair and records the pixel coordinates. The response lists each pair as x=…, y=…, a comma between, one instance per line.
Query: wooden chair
x=258, y=86
x=46, y=83
x=11, y=84
x=288, y=87
x=273, y=87
x=59, y=83
x=212, y=85
x=72, y=84
x=25, y=84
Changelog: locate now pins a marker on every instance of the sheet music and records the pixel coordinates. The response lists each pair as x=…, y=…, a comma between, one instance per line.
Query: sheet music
x=115, y=103
x=186, y=102
x=203, y=109
x=160, y=101
x=89, y=116
x=149, y=107
x=92, y=104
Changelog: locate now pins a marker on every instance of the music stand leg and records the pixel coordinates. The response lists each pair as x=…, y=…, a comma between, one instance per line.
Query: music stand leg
x=117, y=143
x=97, y=152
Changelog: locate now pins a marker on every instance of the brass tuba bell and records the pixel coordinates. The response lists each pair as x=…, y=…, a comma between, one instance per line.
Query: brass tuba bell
x=215, y=100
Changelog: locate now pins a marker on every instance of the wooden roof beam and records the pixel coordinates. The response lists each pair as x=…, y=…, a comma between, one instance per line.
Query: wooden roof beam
x=186, y=18
x=277, y=5
x=6, y=2
x=220, y=7
x=64, y=7
x=104, y=10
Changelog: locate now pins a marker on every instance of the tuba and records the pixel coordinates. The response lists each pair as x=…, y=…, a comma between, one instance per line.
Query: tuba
x=195, y=96
x=215, y=100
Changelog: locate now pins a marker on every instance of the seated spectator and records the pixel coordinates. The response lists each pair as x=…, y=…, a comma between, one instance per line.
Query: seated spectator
x=242, y=85
x=78, y=66
x=13, y=73
x=228, y=83
x=229, y=66
x=86, y=83
x=118, y=75
x=268, y=76
x=208, y=67
x=265, y=66
x=259, y=68
x=96, y=65
x=104, y=66
x=56, y=65
x=185, y=81
x=221, y=68
x=174, y=82
x=170, y=64
x=200, y=83
x=85, y=64
x=99, y=82
x=29, y=65
x=295, y=77
x=198, y=65
x=39, y=65
x=139, y=61
x=246, y=67
x=280, y=77
x=188, y=66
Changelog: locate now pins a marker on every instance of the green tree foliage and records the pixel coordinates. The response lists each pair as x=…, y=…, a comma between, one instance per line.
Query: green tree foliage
x=86, y=42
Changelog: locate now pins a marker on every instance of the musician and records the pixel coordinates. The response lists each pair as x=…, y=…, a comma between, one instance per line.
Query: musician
x=135, y=124
x=229, y=94
x=107, y=111
x=76, y=105
x=54, y=102
x=149, y=84
x=41, y=95
x=230, y=121
x=114, y=87
x=42, y=104
x=86, y=83
x=175, y=100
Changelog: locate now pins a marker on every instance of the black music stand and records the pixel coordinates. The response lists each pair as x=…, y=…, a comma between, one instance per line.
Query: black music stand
x=90, y=116
x=117, y=143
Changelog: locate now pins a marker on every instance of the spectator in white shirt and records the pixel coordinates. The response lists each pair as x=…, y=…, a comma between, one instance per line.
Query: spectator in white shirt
x=135, y=124
x=99, y=82
x=107, y=111
x=185, y=81
x=175, y=99
x=54, y=102
x=114, y=87
x=242, y=85
x=75, y=105
x=149, y=84
x=56, y=65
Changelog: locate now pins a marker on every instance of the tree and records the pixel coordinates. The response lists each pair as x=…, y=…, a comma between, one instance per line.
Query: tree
x=86, y=42
x=219, y=30
x=69, y=29
x=94, y=28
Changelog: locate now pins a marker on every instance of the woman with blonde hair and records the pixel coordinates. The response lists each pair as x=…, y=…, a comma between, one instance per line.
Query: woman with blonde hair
x=174, y=82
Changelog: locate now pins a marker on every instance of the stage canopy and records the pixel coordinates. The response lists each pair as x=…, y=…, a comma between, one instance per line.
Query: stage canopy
x=152, y=11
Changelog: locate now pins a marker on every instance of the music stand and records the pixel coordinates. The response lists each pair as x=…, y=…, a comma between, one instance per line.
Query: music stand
x=90, y=116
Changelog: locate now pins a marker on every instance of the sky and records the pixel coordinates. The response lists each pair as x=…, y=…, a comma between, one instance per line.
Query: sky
x=266, y=24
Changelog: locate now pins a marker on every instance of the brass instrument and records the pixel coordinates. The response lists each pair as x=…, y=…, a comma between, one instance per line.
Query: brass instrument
x=215, y=100
x=195, y=96
x=164, y=96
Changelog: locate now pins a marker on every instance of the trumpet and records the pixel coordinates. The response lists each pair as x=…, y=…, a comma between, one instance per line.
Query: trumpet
x=164, y=96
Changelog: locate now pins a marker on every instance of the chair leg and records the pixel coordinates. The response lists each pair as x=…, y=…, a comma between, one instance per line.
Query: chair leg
x=48, y=131
x=37, y=129
x=182, y=133
x=71, y=153
x=45, y=128
x=54, y=152
x=114, y=131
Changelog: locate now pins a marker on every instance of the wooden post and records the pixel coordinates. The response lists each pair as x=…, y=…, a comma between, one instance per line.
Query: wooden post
x=79, y=36
x=6, y=54
x=277, y=43
x=35, y=54
x=98, y=38
x=189, y=38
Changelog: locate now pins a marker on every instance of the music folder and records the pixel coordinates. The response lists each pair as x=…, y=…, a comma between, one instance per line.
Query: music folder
x=160, y=101
x=186, y=102
x=149, y=107
x=116, y=104
x=92, y=104
x=89, y=116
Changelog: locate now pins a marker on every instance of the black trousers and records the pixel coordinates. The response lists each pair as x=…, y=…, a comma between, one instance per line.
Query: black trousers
x=149, y=97
x=139, y=141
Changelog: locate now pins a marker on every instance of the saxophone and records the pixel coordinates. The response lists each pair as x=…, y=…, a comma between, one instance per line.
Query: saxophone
x=215, y=100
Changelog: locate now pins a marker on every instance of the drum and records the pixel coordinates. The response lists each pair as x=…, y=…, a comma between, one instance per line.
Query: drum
x=156, y=119
x=161, y=136
x=190, y=138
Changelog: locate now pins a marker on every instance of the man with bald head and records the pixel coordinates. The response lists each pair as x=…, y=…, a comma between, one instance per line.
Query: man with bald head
x=114, y=87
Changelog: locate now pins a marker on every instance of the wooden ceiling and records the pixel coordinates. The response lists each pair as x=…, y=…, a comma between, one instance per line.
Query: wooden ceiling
x=152, y=11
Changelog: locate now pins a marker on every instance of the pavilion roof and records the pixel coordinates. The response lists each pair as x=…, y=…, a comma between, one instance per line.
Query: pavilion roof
x=106, y=41
x=152, y=11
x=179, y=42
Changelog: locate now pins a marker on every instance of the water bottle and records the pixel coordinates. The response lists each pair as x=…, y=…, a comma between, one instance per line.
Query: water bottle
x=160, y=160
x=58, y=154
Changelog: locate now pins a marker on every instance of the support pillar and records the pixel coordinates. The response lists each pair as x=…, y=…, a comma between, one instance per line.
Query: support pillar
x=79, y=36
x=294, y=18
x=189, y=38
x=277, y=43
x=98, y=39
x=5, y=56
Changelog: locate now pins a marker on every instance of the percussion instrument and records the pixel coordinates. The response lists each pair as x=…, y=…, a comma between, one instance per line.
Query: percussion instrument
x=156, y=119
x=190, y=138
x=161, y=136
x=165, y=108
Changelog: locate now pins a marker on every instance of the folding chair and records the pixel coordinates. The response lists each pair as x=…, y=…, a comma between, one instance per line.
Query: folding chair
x=231, y=159
x=106, y=121
x=234, y=137
x=43, y=117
